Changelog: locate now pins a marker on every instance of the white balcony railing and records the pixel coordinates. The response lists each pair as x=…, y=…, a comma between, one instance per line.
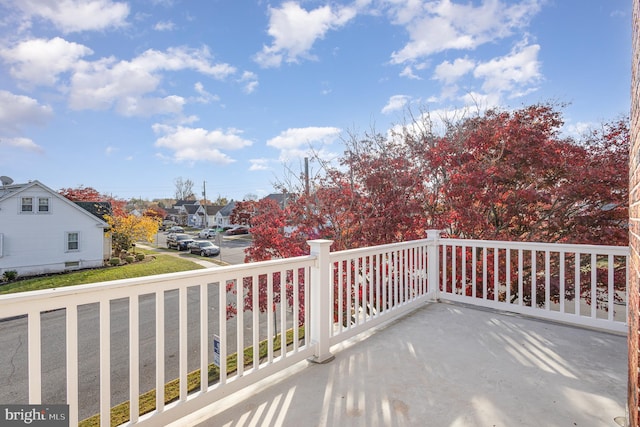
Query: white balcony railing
x=133, y=336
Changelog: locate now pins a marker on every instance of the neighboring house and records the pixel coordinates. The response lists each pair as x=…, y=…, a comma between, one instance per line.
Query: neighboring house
x=44, y=232
x=208, y=221
x=193, y=219
x=179, y=213
x=224, y=214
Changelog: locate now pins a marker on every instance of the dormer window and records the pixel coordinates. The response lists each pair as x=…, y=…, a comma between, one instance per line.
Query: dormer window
x=27, y=204
x=40, y=205
x=43, y=205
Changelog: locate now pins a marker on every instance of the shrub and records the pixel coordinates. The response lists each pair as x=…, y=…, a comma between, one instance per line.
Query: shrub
x=129, y=259
x=10, y=275
x=139, y=257
x=114, y=261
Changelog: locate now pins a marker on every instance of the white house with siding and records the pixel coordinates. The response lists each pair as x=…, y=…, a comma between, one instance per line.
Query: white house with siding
x=43, y=232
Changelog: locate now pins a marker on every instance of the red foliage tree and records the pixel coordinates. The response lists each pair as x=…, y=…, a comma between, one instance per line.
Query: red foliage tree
x=506, y=175
x=89, y=194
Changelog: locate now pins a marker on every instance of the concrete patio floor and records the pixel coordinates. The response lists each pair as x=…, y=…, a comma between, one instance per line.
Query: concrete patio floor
x=445, y=365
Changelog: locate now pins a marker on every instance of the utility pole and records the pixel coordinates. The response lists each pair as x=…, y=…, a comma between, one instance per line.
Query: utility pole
x=204, y=194
x=306, y=175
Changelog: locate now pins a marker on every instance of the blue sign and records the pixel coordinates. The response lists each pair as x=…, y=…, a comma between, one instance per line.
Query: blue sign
x=216, y=350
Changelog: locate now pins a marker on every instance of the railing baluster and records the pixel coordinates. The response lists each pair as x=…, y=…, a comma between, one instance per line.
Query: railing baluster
x=72, y=363
x=356, y=289
x=134, y=359
x=296, y=309
x=283, y=313
x=204, y=337
x=256, y=321
x=35, y=358
x=577, y=292
x=594, y=284
x=534, y=279
x=105, y=363
x=474, y=273
x=184, y=342
x=222, y=321
x=159, y=351
x=547, y=280
x=484, y=273
x=240, y=326
x=520, y=277
x=562, y=281
x=496, y=276
x=341, y=288
x=507, y=273
x=610, y=289
x=270, y=317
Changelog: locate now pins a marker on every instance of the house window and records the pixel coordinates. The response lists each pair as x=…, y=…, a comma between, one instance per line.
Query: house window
x=73, y=242
x=43, y=205
x=1, y=244
x=27, y=204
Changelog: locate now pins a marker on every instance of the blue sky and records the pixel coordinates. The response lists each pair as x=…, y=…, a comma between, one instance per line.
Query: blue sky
x=128, y=96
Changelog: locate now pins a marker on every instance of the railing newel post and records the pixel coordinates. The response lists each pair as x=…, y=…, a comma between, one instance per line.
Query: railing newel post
x=433, y=263
x=321, y=306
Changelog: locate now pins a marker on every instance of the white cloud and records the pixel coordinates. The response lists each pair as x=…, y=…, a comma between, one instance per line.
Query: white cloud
x=299, y=142
x=132, y=88
x=19, y=111
x=104, y=83
x=450, y=72
x=395, y=103
x=512, y=72
x=40, y=61
x=22, y=144
x=205, y=97
x=259, y=164
x=77, y=15
x=295, y=30
x=164, y=26
x=441, y=25
x=198, y=144
x=250, y=81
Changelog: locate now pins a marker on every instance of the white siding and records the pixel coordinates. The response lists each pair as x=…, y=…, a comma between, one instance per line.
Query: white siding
x=35, y=243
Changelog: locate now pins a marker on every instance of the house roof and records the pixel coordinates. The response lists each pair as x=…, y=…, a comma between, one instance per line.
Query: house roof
x=191, y=209
x=9, y=191
x=213, y=209
x=185, y=202
x=227, y=209
x=97, y=209
x=280, y=198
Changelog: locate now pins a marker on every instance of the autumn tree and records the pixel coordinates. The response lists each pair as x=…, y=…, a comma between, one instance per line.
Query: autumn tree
x=156, y=212
x=507, y=175
x=89, y=194
x=128, y=229
x=243, y=212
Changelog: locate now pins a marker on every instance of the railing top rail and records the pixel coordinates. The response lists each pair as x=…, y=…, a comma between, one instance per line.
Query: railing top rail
x=380, y=248
x=553, y=247
x=93, y=292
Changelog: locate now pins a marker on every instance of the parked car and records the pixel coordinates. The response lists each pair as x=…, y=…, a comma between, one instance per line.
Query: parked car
x=238, y=230
x=206, y=233
x=204, y=248
x=179, y=241
x=175, y=229
x=166, y=224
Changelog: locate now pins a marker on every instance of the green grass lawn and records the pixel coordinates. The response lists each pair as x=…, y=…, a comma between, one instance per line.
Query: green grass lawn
x=153, y=264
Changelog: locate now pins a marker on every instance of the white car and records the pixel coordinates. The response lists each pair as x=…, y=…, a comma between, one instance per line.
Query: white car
x=206, y=233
